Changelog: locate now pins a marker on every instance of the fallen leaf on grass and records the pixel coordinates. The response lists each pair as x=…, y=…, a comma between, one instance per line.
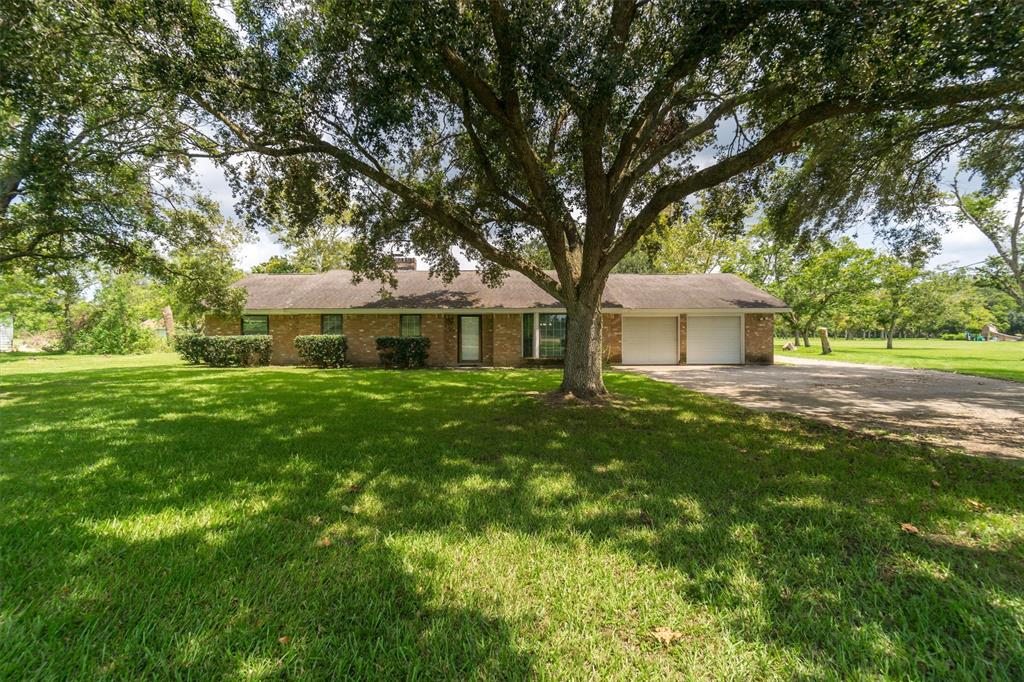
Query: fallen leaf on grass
x=324, y=542
x=978, y=506
x=909, y=528
x=936, y=484
x=666, y=635
x=284, y=640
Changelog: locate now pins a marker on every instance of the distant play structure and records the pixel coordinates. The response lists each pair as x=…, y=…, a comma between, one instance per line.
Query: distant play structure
x=990, y=333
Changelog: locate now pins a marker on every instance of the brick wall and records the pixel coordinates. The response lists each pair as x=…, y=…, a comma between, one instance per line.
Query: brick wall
x=611, y=338
x=501, y=342
x=222, y=326
x=440, y=329
x=361, y=332
x=508, y=340
x=283, y=330
x=759, y=337
x=487, y=340
x=682, y=339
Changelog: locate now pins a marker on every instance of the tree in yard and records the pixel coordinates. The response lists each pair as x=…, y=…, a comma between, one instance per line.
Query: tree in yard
x=898, y=283
x=90, y=168
x=197, y=279
x=1005, y=230
x=817, y=281
x=488, y=127
x=115, y=326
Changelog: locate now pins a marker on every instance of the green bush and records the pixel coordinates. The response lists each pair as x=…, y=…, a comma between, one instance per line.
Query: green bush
x=224, y=351
x=403, y=352
x=237, y=351
x=190, y=347
x=952, y=337
x=322, y=350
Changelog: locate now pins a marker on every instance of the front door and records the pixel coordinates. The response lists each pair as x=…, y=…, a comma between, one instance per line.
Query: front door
x=469, y=338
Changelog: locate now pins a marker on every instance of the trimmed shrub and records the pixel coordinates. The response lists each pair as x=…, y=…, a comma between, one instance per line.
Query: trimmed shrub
x=190, y=347
x=322, y=350
x=237, y=351
x=403, y=352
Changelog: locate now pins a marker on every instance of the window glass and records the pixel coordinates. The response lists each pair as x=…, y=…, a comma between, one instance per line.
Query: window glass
x=527, y=335
x=255, y=324
x=410, y=325
x=330, y=324
x=552, y=335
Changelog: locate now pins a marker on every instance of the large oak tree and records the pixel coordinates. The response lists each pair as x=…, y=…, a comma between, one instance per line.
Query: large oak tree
x=490, y=125
x=90, y=162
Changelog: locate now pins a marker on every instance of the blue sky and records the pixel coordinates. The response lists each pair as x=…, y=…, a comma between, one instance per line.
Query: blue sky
x=962, y=245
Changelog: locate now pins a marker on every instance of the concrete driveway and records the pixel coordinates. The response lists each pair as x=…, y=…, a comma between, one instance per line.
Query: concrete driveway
x=981, y=416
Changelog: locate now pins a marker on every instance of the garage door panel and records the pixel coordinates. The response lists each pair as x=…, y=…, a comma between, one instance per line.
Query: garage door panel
x=650, y=340
x=714, y=340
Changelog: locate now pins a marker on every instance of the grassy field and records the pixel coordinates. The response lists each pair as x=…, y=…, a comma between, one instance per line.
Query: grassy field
x=1000, y=360
x=161, y=520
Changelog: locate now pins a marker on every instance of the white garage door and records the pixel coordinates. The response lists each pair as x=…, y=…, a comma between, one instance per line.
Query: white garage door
x=714, y=340
x=650, y=341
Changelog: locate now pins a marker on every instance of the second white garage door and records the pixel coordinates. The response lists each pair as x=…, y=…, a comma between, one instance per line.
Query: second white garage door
x=714, y=340
x=650, y=340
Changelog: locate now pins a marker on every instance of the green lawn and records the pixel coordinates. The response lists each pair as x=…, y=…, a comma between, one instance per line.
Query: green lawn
x=161, y=520
x=1000, y=360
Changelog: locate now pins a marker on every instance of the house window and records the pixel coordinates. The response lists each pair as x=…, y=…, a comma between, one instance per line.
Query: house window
x=552, y=334
x=528, y=335
x=330, y=324
x=410, y=325
x=255, y=324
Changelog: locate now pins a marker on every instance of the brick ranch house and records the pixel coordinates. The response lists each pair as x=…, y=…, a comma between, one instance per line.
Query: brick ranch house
x=648, y=319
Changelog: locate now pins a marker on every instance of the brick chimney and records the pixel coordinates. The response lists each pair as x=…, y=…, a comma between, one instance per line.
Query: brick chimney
x=405, y=263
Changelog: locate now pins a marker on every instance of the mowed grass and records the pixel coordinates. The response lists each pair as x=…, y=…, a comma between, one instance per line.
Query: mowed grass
x=996, y=359
x=165, y=521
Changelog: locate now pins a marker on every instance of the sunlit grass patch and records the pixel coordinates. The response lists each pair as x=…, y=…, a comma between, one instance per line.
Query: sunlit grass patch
x=159, y=520
x=996, y=359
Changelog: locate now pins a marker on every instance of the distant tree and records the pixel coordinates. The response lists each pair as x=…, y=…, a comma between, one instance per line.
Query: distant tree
x=201, y=285
x=33, y=300
x=115, y=326
x=817, y=280
x=321, y=247
x=895, y=294
x=275, y=265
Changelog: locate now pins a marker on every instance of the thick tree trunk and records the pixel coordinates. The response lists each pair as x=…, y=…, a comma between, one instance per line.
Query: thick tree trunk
x=168, y=320
x=807, y=341
x=826, y=347
x=582, y=376
x=888, y=338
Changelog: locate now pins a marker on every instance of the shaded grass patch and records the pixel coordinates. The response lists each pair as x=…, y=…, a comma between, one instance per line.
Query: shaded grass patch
x=166, y=520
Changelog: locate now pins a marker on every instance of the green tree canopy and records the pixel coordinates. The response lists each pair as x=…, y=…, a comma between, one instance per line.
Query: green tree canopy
x=90, y=153
x=487, y=126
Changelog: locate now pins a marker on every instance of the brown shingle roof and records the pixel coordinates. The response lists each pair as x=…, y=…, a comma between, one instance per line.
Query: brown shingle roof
x=417, y=290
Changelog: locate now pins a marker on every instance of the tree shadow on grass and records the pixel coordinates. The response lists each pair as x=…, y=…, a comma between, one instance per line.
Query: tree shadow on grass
x=205, y=496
